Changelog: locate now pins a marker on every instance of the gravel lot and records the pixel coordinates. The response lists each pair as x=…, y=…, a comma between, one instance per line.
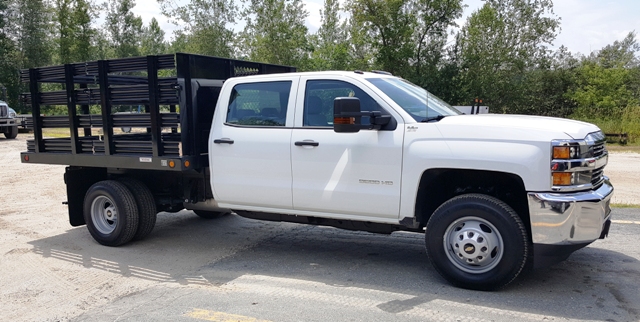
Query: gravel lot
x=191, y=269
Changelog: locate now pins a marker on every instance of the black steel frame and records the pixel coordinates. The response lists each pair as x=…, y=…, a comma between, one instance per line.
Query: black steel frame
x=100, y=82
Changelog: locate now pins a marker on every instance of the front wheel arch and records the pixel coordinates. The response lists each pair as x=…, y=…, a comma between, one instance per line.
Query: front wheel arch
x=466, y=271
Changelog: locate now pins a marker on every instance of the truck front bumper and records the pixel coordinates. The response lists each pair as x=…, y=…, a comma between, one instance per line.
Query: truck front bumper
x=562, y=223
x=8, y=122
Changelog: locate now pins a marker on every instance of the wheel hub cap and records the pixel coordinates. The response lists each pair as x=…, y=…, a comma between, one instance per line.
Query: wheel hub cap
x=473, y=244
x=104, y=215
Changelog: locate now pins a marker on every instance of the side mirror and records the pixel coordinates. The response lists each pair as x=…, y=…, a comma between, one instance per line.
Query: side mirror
x=347, y=117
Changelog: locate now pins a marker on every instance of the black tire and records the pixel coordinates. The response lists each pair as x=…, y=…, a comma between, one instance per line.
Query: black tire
x=111, y=213
x=11, y=133
x=477, y=242
x=210, y=214
x=147, y=211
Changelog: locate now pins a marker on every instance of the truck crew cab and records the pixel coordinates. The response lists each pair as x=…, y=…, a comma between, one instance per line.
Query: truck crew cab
x=493, y=194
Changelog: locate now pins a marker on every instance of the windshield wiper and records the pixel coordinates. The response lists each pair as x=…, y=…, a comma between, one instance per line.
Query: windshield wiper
x=433, y=118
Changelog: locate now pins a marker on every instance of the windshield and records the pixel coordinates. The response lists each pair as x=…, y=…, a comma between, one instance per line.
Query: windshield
x=415, y=100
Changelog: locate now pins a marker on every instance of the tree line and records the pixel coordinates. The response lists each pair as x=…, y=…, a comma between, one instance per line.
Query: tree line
x=501, y=54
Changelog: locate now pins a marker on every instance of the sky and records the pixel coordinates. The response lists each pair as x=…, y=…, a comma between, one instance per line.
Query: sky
x=586, y=25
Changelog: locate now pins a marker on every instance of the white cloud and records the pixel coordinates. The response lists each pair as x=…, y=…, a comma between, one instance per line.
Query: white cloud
x=148, y=9
x=313, y=20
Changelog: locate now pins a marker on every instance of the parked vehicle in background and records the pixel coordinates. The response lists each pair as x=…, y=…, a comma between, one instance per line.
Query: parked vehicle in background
x=493, y=194
x=8, y=122
x=472, y=109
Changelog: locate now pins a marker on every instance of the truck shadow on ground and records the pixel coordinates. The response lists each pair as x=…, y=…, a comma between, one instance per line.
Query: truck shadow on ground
x=594, y=283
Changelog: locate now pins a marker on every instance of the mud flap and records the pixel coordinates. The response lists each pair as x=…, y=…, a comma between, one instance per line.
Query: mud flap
x=78, y=181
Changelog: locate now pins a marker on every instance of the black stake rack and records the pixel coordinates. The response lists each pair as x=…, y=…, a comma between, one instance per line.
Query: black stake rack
x=178, y=135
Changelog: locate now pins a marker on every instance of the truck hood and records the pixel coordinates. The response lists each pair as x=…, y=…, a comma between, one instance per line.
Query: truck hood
x=513, y=127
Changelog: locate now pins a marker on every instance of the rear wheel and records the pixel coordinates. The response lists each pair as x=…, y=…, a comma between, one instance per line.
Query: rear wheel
x=477, y=242
x=210, y=214
x=146, y=204
x=11, y=133
x=111, y=213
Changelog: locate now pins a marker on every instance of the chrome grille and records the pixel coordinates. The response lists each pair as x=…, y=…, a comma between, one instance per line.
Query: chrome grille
x=598, y=149
x=3, y=111
x=596, y=176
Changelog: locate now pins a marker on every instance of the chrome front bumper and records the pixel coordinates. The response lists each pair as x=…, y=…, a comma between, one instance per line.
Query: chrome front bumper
x=8, y=122
x=569, y=218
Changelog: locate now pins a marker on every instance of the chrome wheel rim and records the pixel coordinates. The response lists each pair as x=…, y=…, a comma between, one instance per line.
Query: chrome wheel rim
x=104, y=215
x=473, y=245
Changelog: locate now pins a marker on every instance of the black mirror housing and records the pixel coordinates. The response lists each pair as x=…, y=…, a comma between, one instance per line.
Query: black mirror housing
x=347, y=117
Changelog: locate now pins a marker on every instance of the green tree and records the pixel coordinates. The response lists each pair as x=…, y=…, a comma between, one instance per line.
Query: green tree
x=205, y=25
x=619, y=54
x=32, y=32
x=408, y=35
x=434, y=18
x=275, y=33
x=74, y=30
x=391, y=22
x=547, y=86
x=607, y=81
x=9, y=63
x=499, y=44
x=330, y=42
x=602, y=91
x=28, y=30
x=123, y=27
x=153, y=39
x=360, y=44
x=83, y=32
x=64, y=26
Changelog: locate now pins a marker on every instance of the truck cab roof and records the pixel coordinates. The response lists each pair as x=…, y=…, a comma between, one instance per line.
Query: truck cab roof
x=353, y=74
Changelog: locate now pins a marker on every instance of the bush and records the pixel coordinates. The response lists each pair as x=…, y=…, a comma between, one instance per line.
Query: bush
x=627, y=121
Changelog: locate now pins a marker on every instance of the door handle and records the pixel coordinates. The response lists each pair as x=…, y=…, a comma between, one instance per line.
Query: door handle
x=224, y=140
x=303, y=143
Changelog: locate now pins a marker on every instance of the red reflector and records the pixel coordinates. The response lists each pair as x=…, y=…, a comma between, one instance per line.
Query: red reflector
x=26, y=158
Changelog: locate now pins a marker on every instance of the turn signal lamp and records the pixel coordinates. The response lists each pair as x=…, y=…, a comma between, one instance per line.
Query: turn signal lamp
x=172, y=164
x=561, y=178
x=561, y=152
x=187, y=164
x=344, y=120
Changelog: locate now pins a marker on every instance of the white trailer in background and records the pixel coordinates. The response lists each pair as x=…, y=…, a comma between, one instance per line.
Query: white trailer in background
x=473, y=109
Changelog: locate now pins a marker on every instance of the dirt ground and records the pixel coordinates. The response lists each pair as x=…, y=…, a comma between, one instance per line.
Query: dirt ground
x=46, y=278
x=624, y=171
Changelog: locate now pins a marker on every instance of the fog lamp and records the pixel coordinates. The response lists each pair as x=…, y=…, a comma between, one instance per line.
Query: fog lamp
x=561, y=178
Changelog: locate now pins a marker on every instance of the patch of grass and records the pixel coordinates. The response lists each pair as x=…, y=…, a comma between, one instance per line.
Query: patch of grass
x=624, y=205
x=55, y=133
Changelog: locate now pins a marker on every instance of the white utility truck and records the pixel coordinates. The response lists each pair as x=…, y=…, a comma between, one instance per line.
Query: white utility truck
x=494, y=195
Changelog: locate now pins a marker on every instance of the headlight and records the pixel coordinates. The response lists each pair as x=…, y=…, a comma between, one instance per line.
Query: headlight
x=12, y=115
x=566, y=152
x=578, y=164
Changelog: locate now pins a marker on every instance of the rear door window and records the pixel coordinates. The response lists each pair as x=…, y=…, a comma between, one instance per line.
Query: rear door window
x=259, y=104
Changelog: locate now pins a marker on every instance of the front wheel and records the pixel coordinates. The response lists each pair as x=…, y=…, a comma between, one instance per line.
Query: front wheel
x=11, y=133
x=477, y=242
x=111, y=213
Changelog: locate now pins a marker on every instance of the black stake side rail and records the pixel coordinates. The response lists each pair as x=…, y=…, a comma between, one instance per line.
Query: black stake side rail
x=101, y=83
